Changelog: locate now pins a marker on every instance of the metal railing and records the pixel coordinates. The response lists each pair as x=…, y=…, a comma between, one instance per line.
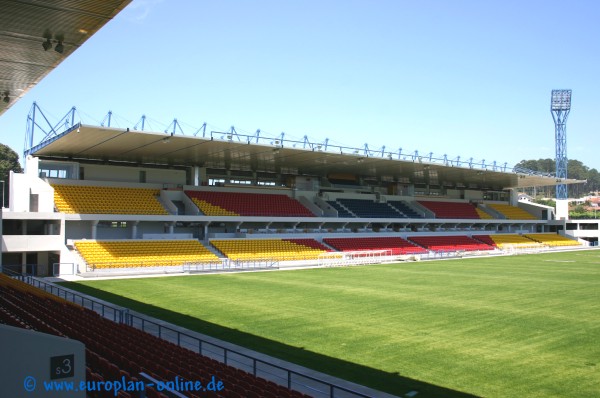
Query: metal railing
x=164, y=265
x=20, y=269
x=231, y=265
x=175, y=267
x=281, y=375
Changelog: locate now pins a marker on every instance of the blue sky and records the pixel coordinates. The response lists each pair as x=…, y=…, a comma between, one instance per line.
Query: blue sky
x=463, y=77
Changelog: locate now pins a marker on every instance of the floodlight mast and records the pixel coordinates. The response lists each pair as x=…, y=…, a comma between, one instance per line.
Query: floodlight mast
x=560, y=105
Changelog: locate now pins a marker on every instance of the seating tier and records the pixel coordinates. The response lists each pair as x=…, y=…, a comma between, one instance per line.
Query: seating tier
x=458, y=210
x=269, y=249
x=397, y=245
x=342, y=212
x=506, y=240
x=116, y=351
x=247, y=204
x=370, y=209
x=449, y=243
x=405, y=209
x=512, y=212
x=309, y=243
x=483, y=215
x=147, y=253
x=485, y=239
x=553, y=240
x=85, y=199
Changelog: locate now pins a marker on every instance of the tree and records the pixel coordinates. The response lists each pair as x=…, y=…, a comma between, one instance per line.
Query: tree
x=9, y=160
x=593, y=181
x=541, y=165
x=577, y=170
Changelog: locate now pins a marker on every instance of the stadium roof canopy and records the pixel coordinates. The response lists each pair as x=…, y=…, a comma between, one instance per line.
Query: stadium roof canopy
x=226, y=151
x=37, y=35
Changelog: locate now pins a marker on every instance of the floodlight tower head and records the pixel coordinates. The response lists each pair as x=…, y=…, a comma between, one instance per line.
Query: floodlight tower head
x=561, y=100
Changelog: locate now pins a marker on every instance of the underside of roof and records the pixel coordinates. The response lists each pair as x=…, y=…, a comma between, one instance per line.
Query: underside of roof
x=37, y=35
x=84, y=143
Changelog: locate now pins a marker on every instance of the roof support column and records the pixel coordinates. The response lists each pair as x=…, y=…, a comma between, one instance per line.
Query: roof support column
x=94, y=227
x=134, y=229
x=514, y=197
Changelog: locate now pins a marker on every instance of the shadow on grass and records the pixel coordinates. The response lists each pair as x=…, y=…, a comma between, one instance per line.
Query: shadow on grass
x=392, y=383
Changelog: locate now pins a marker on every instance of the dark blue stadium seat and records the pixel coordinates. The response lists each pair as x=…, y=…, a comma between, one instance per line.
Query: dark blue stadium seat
x=405, y=209
x=370, y=209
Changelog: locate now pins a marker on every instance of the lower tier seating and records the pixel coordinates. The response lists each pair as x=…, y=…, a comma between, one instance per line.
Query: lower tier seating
x=269, y=249
x=396, y=245
x=553, y=240
x=449, y=243
x=485, y=239
x=146, y=253
x=115, y=351
x=504, y=241
x=309, y=243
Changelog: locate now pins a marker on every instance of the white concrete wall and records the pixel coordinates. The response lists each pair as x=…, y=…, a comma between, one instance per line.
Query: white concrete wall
x=473, y=195
x=453, y=193
x=27, y=353
x=582, y=233
x=23, y=185
x=19, y=192
x=562, y=209
x=536, y=209
x=32, y=243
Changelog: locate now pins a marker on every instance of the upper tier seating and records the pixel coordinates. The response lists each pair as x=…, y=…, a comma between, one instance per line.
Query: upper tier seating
x=146, y=253
x=370, y=209
x=342, y=212
x=247, y=204
x=405, y=209
x=116, y=351
x=483, y=215
x=451, y=209
x=512, y=212
x=507, y=240
x=553, y=240
x=449, y=243
x=269, y=249
x=85, y=199
x=397, y=245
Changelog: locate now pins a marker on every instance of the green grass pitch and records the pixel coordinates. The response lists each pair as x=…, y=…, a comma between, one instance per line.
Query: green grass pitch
x=497, y=327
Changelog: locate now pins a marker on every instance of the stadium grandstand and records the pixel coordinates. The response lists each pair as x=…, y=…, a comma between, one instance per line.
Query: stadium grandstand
x=98, y=200
x=102, y=199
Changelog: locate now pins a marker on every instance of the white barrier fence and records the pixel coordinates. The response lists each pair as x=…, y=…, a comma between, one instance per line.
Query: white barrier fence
x=359, y=257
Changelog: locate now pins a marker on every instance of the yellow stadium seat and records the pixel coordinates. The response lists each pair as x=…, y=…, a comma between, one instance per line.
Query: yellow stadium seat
x=110, y=254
